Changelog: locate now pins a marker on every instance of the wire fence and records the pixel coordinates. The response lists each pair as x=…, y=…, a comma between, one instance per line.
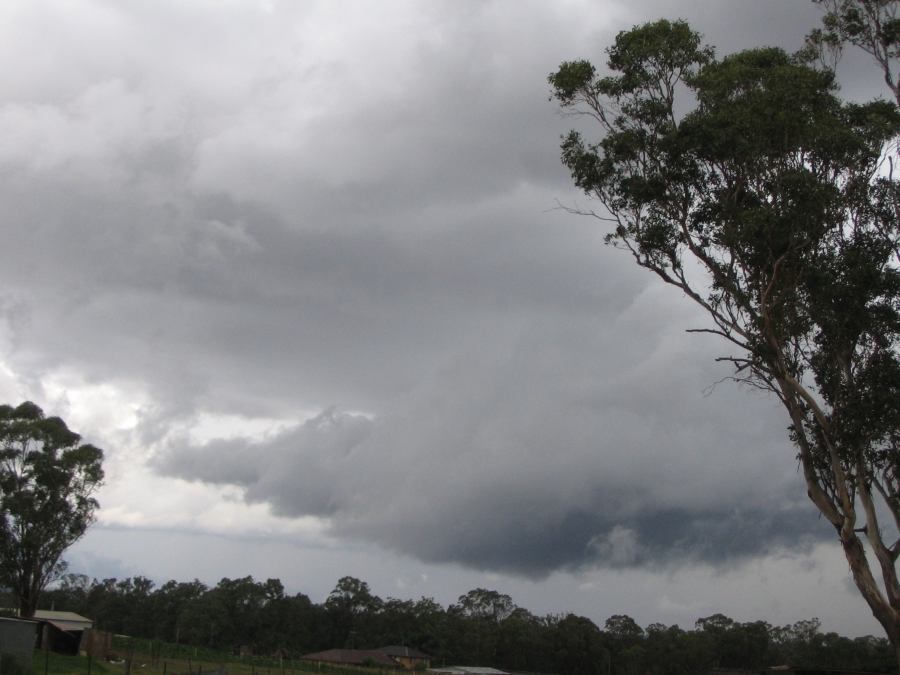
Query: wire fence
x=134, y=656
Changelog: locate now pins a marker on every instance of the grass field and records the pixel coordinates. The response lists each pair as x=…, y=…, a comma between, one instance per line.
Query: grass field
x=146, y=657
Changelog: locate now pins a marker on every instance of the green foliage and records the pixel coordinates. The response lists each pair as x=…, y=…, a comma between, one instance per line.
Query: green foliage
x=291, y=626
x=774, y=188
x=47, y=481
x=353, y=596
x=481, y=603
x=870, y=25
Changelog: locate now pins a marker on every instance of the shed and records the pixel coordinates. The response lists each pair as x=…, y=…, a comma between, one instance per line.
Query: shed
x=61, y=631
x=67, y=621
x=467, y=670
x=352, y=657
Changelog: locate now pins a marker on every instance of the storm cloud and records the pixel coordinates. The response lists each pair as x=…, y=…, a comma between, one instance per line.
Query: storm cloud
x=341, y=226
x=525, y=457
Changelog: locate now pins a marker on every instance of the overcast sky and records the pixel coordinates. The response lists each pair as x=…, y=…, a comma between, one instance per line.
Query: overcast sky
x=298, y=268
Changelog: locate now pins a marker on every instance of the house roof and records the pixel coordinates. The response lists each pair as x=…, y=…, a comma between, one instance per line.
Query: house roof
x=403, y=652
x=50, y=615
x=63, y=620
x=15, y=619
x=468, y=670
x=351, y=656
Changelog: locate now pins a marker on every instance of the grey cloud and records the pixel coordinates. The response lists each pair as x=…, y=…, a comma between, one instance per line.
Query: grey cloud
x=294, y=471
x=526, y=460
x=278, y=220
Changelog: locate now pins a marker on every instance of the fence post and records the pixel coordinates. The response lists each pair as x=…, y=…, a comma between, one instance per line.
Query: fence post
x=46, y=658
x=90, y=662
x=164, y=667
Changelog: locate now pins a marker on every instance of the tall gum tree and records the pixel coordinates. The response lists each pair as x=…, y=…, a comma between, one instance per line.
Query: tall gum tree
x=47, y=482
x=777, y=195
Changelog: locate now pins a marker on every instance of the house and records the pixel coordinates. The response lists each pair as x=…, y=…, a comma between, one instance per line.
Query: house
x=409, y=658
x=62, y=631
x=352, y=657
x=466, y=670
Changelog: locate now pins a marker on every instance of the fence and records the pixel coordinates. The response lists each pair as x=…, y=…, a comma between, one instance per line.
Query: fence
x=130, y=656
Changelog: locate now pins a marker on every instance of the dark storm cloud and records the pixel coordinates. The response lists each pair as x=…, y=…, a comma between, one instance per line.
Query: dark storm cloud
x=355, y=210
x=520, y=457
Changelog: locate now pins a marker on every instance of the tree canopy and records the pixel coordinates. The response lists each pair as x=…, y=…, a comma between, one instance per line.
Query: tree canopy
x=260, y=615
x=770, y=203
x=47, y=481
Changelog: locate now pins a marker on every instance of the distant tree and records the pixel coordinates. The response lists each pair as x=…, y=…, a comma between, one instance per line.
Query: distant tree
x=716, y=624
x=766, y=204
x=579, y=647
x=135, y=602
x=69, y=593
x=236, y=607
x=430, y=627
x=170, y=601
x=519, y=640
x=626, y=639
x=352, y=595
x=672, y=651
x=47, y=482
x=350, y=608
x=623, y=628
x=481, y=603
x=733, y=644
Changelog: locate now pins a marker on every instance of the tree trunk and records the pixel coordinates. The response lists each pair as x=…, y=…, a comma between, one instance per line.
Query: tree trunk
x=27, y=606
x=887, y=616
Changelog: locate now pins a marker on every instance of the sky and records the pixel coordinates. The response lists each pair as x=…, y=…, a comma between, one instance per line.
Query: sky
x=301, y=270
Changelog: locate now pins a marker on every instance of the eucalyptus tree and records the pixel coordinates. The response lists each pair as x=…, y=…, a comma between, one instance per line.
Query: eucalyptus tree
x=47, y=481
x=767, y=204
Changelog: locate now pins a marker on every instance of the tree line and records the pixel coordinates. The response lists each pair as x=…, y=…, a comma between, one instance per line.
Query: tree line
x=484, y=627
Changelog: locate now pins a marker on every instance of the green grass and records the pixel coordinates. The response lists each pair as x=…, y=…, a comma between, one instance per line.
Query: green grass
x=60, y=664
x=149, y=657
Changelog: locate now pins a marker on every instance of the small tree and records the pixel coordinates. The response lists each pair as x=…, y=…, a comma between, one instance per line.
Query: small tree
x=767, y=206
x=47, y=481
